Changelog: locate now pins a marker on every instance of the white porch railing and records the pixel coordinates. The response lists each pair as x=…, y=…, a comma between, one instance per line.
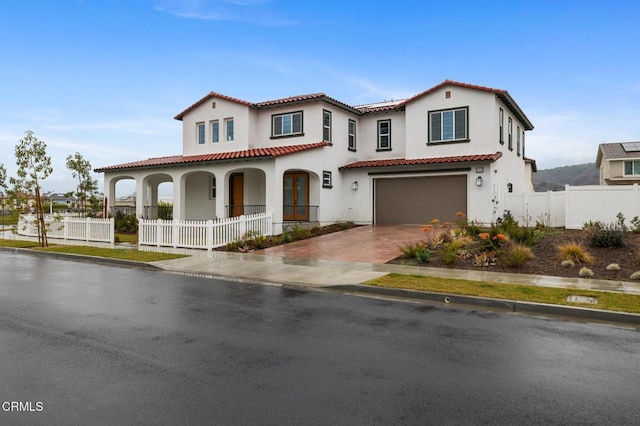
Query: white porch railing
x=70, y=228
x=201, y=234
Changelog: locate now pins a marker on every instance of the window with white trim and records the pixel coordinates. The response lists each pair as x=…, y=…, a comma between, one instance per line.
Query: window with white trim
x=326, y=125
x=213, y=188
x=518, y=141
x=228, y=125
x=448, y=125
x=523, y=143
x=200, y=133
x=510, y=130
x=352, y=135
x=326, y=179
x=215, y=131
x=289, y=124
x=384, y=135
x=632, y=168
x=501, y=125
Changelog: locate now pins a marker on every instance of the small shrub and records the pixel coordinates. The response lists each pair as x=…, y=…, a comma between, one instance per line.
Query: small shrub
x=606, y=236
x=276, y=240
x=516, y=255
x=481, y=259
x=635, y=225
x=287, y=237
x=347, y=225
x=449, y=252
x=635, y=275
x=522, y=235
x=260, y=241
x=116, y=239
x=299, y=233
x=585, y=272
x=423, y=254
x=568, y=263
x=410, y=250
x=316, y=230
x=574, y=252
x=613, y=267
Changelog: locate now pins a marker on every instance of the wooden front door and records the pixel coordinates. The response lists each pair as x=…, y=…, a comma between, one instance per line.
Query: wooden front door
x=236, y=194
x=296, y=196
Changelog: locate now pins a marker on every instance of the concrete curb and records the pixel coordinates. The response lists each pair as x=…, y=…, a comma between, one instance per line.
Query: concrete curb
x=514, y=306
x=83, y=258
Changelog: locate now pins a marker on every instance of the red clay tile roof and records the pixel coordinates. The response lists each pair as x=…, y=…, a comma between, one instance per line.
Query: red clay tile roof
x=269, y=104
x=421, y=161
x=219, y=156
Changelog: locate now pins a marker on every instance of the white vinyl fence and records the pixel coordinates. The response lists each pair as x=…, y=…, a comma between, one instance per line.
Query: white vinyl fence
x=70, y=228
x=200, y=234
x=576, y=205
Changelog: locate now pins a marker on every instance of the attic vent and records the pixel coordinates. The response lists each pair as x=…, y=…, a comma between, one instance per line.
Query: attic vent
x=213, y=105
x=631, y=146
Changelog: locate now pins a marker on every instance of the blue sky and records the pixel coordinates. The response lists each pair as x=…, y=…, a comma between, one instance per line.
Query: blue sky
x=106, y=77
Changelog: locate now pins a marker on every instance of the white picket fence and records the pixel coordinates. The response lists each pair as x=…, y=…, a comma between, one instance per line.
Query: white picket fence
x=70, y=228
x=200, y=234
x=576, y=205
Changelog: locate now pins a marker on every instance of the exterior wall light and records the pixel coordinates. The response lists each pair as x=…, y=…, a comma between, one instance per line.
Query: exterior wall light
x=479, y=181
x=354, y=185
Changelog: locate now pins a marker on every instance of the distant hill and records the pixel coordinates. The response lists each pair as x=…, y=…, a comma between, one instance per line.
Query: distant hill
x=556, y=179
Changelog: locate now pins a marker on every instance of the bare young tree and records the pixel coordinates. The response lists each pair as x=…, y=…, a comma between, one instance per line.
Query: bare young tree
x=34, y=167
x=81, y=170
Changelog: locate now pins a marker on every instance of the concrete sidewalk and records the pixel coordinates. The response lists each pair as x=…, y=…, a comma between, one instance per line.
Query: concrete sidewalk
x=327, y=273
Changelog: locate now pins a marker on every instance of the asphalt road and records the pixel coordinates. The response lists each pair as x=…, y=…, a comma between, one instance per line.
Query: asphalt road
x=88, y=344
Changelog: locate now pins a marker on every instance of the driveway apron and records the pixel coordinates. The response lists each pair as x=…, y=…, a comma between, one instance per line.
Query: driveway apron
x=371, y=244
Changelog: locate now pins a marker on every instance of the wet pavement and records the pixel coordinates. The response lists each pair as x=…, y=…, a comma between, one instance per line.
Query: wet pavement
x=99, y=344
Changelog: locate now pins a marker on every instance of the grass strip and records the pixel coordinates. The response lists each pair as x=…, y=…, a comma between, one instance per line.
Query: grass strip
x=526, y=293
x=124, y=254
x=18, y=243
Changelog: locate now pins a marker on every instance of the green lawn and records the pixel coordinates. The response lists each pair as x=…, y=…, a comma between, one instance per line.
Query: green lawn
x=125, y=254
x=525, y=293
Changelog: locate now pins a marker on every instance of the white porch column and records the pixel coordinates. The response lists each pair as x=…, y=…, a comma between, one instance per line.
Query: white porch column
x=140, y=196
x=273, y=198
x=178, y=197
x=109, y=192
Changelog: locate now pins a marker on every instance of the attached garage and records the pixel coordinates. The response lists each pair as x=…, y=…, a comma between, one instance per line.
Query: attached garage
x=419, y=200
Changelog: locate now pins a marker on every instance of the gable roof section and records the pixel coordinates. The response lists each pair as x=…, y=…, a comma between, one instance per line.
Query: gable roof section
x=614, y=150
x=292, y=100
x=503, y=95
x=250, y=154
x=422, y=161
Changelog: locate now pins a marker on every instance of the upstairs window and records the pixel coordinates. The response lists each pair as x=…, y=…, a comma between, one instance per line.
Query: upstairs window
x=518, y=141
x=384, y=135
x=501, y=125
x=448, y=125
x=510, y=130
x=200, y=132
x=228, y=124
x=289, y=124
x=632, y=168
x=326, y=125
x=215, y=131
x=523, y=143
x=352, y=135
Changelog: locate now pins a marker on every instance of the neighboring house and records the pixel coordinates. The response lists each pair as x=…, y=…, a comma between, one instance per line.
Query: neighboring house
x=62, y=199
x=619, y=163
x=453, y=148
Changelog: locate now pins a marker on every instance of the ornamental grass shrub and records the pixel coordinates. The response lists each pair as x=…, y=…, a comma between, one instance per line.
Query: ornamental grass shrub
x=574, y=252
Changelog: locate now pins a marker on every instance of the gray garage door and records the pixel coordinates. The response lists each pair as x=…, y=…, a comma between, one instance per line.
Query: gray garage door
x=418, y=200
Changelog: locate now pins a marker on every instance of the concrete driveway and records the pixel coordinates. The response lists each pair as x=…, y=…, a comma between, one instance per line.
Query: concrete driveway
x=372, y=244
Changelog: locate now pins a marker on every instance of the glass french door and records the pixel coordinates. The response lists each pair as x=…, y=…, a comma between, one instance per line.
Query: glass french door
x=296, y=196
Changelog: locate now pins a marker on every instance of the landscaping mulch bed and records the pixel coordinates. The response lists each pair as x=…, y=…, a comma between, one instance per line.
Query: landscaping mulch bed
x=546, y=260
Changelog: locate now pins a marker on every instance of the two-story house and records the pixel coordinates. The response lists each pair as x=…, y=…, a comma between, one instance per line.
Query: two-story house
x=453, y=148
x=619, y=163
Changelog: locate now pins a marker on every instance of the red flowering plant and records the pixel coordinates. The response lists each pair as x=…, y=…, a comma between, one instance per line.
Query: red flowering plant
x=436, y=233
x=493, y=240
